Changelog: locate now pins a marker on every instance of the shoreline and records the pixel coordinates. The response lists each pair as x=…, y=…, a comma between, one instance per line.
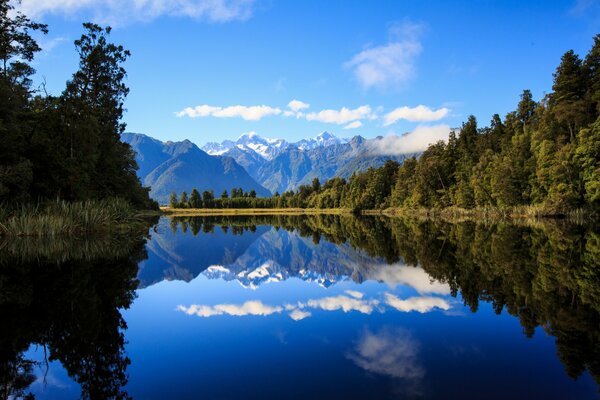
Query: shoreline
x=450, y=213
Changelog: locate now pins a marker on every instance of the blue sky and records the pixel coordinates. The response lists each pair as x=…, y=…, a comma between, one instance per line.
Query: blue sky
x=194, y=61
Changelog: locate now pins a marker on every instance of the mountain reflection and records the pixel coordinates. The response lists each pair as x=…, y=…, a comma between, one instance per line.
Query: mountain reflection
x=545, y=274
x=65, y=296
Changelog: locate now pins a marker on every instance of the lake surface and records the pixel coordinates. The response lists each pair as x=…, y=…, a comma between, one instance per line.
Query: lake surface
x=319, y=307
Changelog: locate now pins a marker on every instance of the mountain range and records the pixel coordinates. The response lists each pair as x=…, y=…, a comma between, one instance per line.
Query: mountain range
x=280, y=166
x=180, y=166
x=251, y=162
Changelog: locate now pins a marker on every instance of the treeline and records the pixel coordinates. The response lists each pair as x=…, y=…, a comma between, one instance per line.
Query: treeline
x=544, y=155
x=238, y=199
x=68, y=146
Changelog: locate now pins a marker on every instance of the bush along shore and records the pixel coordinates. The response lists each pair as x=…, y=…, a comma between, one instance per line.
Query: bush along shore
x=62, y=218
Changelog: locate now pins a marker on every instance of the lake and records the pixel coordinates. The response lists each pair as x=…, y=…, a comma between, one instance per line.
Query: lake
x=317, y=307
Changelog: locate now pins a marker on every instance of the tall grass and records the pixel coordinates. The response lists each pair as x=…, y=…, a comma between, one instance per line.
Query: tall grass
x=66, y=218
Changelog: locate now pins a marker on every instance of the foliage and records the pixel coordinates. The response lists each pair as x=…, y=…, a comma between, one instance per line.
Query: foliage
x=544, y=155
x=67, y=218
x=67, y=147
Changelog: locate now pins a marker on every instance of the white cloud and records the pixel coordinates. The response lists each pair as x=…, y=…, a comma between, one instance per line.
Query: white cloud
x=343, y=303
x=342, y=116
x=124, y=12
x=390, y=352
x=253, y=307
x=391, y=64
x=419, y=113
x=420, y=304
x=297, y=105
x=249, y=113
x=298, y=315
x=412, y=142
x=353, y=125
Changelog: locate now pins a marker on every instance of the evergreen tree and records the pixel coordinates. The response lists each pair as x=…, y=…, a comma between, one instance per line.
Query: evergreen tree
x=184, y=201
x=195, y=199
x=17, y=50
x=316, y=185
x=173, y=202
x=570, y=86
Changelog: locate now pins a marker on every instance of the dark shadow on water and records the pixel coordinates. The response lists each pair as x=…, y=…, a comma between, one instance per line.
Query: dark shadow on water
x=66, y=296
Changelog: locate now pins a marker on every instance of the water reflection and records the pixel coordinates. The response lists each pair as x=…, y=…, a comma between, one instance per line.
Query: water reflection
x=545, y=274
x=378, y=286
x=65, y=297
x=395, y=353
x=301, y=310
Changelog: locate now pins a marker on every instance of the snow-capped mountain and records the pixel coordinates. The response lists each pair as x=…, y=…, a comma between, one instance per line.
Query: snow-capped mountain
x=267, y=148
x=324, y=139
x=280, y=166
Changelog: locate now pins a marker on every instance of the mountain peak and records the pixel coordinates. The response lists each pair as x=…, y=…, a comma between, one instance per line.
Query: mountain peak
x=325, y=135
x=249, y=135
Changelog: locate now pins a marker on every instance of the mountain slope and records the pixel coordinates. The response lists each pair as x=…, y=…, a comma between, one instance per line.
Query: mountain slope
x=180, y=166
x=295, y=167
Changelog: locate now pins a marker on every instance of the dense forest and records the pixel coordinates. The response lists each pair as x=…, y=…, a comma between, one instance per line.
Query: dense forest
x=544, y=155
x=68, y=146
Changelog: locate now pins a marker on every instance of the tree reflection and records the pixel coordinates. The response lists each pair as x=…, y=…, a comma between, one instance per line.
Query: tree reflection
x=545, y=274
x=66, y=296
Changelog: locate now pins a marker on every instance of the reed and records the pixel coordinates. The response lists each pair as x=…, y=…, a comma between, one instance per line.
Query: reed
x=61, y=217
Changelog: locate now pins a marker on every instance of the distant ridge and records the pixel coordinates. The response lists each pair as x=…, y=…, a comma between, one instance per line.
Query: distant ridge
x=280, y=166
x=180, y=166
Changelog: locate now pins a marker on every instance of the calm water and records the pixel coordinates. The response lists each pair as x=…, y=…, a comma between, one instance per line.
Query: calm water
x=321, y=307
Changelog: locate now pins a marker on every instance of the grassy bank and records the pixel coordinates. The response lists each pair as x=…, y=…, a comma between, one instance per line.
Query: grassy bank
x=251, y=211
x=450, y=213
x=62, y=218
x=491, y=213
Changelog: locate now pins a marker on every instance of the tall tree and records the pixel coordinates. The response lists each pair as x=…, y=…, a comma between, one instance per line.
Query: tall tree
x=568, y=99
x=101, y=164
x=17, y=50
x=195, y=199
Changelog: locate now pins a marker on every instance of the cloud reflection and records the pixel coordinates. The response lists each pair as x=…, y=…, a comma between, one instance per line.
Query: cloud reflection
x=344, y=303
x=415, y=277
x=391, y=352
x=421, y=304
x=300, y=311
x=253, y=307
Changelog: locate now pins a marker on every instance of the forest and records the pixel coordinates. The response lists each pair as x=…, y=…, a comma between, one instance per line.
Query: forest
x=544, y=156
x=65, y=147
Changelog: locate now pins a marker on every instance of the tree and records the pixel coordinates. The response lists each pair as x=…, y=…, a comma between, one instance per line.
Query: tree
x=208, y=196
x=252, y=194
x=224, y=195
x=592, y=70
x=568, y=99
x=173, y=202
x=195, y=199
x=184, y=201
x=17, y=50
x=316, y=185
x=526, y=107
x=100, y=164
x=587, y=155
